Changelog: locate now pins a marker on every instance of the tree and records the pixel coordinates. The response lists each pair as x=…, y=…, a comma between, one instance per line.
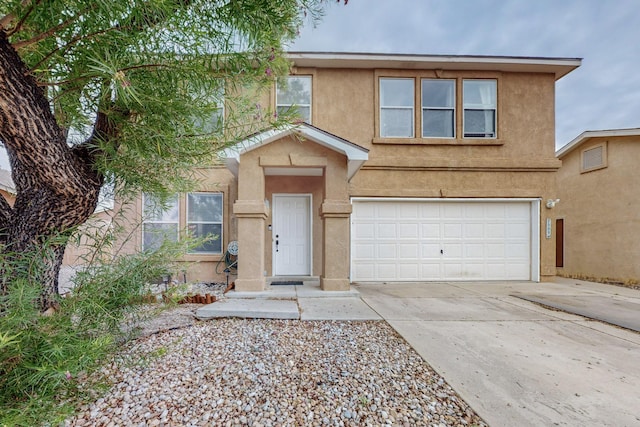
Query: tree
x=95, y=93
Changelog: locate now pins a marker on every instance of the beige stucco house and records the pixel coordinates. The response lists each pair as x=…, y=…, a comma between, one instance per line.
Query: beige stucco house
x=407, y=168
x=598, y=217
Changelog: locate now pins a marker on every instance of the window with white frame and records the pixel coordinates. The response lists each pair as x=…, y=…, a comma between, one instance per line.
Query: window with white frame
x=397, y=107
x=438, y=108
x=204, y=220
x=293, y=95
x=480, y=108
x=160, y=222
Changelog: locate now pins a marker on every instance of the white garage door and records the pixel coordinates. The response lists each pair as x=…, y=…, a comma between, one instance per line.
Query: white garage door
x=436, y=241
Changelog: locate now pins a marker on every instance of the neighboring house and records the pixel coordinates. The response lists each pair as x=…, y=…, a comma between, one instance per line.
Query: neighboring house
x=408, y=168
x=598, y=216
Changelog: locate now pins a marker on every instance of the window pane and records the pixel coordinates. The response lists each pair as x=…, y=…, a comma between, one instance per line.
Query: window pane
x=438, y=93
x=152, y=209
x=437, y=123
x=479, y=94
x=154, y=234
x=212, y=231
x=479, y=123
x=204, y=207
x=296, y=91
x=396, y=92
x=303, y=112
x=396, y=122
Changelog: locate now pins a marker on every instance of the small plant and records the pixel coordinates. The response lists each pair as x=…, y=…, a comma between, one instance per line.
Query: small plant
x=46, y=360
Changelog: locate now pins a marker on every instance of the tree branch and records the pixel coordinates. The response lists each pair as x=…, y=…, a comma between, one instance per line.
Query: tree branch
x=9, y=18
x=50, y=32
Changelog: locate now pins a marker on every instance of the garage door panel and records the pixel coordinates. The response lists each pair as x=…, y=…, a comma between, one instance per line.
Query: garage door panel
x=364, y=251
x=387, y=271
x=495, y=231
x=409, y=230
x=474, y=250
x=430, y=250
x=452, y=230
x=409, y=251
x=387, y=230
x=408, y=271
x=495, y=251
x=387, y=251
x=441, y=240
x=430, y=231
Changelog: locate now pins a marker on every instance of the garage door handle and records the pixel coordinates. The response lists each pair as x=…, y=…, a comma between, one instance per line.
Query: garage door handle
x=441, y=252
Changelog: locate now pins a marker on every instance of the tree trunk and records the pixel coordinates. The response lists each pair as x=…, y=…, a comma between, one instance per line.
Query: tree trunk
x=57, y=186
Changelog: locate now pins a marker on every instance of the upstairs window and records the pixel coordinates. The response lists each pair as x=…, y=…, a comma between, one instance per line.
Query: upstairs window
x=160, y=223
x=204, y=220
x=211, y=101
x=294, y=95
x=480, y=108
x=396, y=108
x=438, y=108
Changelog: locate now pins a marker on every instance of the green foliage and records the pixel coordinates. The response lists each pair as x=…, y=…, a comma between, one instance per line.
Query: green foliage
x=150, y=72
x=46, y=361
x=150, y=69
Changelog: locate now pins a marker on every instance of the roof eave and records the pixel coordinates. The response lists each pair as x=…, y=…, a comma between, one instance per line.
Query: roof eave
x=584, y=136
x=356, y=155
x=557, y=66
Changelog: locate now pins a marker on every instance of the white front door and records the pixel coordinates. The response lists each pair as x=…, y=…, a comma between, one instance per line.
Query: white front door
x=291, y=235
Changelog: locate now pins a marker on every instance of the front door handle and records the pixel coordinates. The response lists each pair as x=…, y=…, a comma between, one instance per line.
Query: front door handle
x=277, y=243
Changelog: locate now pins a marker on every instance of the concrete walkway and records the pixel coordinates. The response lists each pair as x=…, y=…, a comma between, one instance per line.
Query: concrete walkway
x=514, y=361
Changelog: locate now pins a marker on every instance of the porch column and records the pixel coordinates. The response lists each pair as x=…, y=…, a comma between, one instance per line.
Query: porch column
x=335, y=216
x=251, y=216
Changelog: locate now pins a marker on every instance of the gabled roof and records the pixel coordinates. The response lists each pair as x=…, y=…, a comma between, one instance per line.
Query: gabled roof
x=556, y=66
x=6, y=183
x=356, y=155
x=584, y=136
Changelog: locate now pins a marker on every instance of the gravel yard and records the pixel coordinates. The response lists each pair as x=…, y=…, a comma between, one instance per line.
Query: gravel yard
x=239, y=372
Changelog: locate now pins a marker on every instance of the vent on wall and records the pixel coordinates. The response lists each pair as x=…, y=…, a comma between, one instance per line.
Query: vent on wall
x=594, y=158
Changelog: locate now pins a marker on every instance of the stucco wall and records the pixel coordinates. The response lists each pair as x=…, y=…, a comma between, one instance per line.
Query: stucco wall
x=519, y=163
x=601, y=212
x=199, y=268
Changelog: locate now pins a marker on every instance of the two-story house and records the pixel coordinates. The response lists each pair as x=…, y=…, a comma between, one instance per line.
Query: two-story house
x=597, y=219
x=407, y=168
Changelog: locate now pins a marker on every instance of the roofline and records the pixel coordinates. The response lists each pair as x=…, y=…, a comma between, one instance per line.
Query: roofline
x=577, y=141
x=356, y=155
x=557, y=66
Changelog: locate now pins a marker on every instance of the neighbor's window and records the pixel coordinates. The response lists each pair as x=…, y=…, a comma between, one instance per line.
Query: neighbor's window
x=480, y=108
x=396, y=108
x=594, y=158
x=294, y=95
x=438, y=108
x=204, y=219
x=159, y=222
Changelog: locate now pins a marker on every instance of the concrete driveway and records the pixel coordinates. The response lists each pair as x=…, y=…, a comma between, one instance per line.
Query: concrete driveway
x=518, y=363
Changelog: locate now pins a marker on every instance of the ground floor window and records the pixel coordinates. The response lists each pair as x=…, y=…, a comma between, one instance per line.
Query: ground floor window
x=160, y=222
x=198, y=214
x=204, y=220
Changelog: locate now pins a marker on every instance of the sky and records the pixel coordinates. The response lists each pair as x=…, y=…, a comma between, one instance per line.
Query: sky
x=603, y=93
